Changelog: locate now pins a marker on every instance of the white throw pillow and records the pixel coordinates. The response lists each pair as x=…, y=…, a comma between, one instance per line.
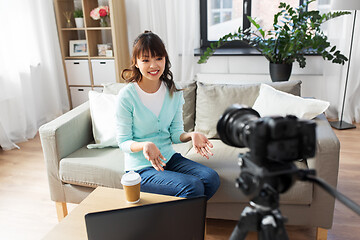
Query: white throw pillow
x=272, y=102
x=102, y=110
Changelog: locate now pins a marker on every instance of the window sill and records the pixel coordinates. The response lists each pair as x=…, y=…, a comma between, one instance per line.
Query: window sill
x=230, y=52
x=236, y=52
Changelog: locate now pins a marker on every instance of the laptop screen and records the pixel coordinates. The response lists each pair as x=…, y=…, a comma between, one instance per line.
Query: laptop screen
x=180, y=219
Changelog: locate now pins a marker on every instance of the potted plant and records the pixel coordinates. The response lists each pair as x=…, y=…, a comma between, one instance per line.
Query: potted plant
x=79, y=18
x=295, y=32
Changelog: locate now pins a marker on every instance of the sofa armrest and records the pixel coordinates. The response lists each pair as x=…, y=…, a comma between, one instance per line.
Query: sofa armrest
x=326, y=160
x=326, y=164
x=61, y=137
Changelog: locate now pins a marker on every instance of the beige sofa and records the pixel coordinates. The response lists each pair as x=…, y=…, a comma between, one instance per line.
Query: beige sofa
x=74, y=170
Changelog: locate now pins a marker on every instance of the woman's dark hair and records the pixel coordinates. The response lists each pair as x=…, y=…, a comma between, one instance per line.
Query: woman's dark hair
x=149, y=43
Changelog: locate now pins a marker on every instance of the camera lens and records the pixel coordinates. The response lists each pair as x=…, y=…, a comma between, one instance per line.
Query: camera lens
x=233, y=125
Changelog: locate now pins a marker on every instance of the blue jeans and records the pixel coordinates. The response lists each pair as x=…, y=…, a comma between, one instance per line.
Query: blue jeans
x=181, y=178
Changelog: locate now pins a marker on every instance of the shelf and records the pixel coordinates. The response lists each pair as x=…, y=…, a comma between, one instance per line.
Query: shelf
x=98, y=28
x=101, y=57
x=76, y=57
x=98, y=36
x=114, y=34
x=83, y=29
x=87, y=57
x=80, y=85
x=73, y=29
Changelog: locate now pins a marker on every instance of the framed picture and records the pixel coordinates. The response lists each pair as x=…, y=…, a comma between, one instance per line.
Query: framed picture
x=102, y=48
x=78, y=48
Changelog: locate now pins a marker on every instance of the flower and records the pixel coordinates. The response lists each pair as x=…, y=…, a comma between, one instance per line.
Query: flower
x=102, y=13
x=99, y=12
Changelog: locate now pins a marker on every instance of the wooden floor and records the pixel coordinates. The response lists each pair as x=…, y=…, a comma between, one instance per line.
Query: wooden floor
x=26, y=211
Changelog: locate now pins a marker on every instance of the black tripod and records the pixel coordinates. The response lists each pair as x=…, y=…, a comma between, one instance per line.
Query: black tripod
x=266, y=219
x=264, y=216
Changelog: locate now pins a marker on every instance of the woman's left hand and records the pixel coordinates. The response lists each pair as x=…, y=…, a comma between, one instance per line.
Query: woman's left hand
x=201, y=144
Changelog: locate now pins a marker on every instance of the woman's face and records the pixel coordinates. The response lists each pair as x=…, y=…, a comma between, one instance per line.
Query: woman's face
x=151, y=68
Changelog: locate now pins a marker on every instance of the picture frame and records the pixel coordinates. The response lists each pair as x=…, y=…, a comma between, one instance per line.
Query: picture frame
x=102, y=48
x=78, y=48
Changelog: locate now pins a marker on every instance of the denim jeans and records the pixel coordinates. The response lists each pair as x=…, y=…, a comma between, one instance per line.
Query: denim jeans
x=181, y=178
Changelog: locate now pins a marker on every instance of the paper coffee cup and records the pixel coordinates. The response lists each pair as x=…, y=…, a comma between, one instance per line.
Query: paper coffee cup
x=131, y=183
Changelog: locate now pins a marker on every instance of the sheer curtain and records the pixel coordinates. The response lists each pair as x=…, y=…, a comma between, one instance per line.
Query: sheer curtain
x=177, y=24
x=32, y=84
x=339, y=32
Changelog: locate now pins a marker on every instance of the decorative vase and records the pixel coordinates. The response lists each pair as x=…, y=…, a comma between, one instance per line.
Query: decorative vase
x=68, y=15
x=69, y=24
x=79, y=22
x=103, y=22
x=280, y=72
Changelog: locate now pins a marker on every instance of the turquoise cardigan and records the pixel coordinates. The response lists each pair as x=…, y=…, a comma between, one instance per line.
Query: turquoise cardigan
x=136, y=122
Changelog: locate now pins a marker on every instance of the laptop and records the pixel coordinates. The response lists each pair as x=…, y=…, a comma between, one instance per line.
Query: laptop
x=181, y=219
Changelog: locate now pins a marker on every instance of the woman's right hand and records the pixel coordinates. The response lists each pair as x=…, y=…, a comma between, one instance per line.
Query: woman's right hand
x=152, y=153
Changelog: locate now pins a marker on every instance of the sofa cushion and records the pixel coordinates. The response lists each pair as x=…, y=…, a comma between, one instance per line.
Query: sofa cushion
x=189, y=92
x=93, y=167
x=225, y=163
x=283, y=104
x=99, y=167
x=102, y=109
x=213, y=99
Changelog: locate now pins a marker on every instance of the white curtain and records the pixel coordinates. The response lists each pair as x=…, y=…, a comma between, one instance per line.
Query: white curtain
x=177, y=24
x=32, y=83
x=339, y=33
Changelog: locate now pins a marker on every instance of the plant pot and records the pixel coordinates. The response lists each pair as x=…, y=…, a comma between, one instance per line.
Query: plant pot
x=79, y=22
x=280, y=72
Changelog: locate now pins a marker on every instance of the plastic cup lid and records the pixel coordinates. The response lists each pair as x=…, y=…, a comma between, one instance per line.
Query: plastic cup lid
x=131, y=178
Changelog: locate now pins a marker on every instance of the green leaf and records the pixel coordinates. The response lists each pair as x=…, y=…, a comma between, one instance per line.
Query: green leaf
x=253, y=22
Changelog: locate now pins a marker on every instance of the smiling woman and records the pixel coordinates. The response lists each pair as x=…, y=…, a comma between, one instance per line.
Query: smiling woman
x=31, y=79
x=149, y=120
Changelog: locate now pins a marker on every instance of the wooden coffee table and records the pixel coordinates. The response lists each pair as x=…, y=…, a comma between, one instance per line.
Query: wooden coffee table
x=101, y=199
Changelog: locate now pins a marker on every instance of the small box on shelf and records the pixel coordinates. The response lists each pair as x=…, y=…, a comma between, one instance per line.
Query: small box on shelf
x=103, y=71
x=79, y=95
x=102, y=48
x=78, y=72
x=109, y=53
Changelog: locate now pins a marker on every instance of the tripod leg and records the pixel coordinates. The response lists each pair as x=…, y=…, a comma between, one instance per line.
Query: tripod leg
x=238, y=233
x=267, y=228
x=270, y=229
x=248, y=222
x=281, y=231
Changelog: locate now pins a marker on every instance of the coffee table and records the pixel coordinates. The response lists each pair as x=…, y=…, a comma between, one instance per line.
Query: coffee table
x=101, y=199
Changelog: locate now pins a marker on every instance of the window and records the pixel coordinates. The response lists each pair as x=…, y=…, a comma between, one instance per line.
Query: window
x=220, y=17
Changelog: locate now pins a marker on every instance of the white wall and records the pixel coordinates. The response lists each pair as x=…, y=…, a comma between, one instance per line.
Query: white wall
x=254, y=69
